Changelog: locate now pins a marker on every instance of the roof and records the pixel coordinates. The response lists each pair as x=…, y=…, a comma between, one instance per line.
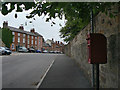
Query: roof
x=22, y=31
x=46, y=45
x=38, y=34
x=50, y=41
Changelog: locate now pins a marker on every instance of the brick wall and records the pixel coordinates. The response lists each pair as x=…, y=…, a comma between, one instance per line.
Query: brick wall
x=77, y=49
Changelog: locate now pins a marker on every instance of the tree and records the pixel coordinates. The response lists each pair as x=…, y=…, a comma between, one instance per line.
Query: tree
x=73, y=11
x=71, y=29
x=7, y=37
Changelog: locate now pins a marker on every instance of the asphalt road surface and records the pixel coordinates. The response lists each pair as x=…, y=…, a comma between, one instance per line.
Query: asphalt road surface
x=24, y=70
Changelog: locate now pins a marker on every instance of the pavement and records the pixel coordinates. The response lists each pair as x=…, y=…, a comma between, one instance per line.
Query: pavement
x=64, y=73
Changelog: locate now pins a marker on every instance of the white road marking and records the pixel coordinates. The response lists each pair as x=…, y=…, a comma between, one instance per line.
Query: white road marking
x=45, y=74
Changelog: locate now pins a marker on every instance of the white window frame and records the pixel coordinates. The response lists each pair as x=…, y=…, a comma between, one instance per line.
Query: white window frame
x=13, y=40
x=32, y=42
x=32, y=37
x=13, y=33
x=28, y=46
x=23, y=40
x=18, y=34
x=35, y=42
x=23, y=35
x=28, y=41
x=28, y=36
x=18, y=39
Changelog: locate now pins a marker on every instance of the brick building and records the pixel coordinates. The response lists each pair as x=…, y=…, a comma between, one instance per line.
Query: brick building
x=50, y=45
x=24, y=38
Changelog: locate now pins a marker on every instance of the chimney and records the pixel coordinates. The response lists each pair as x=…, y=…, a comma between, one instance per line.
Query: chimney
x=56, y=42
x=21, y=27
x=32, y=30
x=52, y=39
x=5, y=24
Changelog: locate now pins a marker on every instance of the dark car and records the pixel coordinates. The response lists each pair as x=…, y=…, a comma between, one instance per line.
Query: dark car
x=31, y=50
x=38, y=51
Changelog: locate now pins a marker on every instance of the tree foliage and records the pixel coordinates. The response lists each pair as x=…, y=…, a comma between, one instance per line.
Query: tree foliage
x=7, y=37
x=74, y=12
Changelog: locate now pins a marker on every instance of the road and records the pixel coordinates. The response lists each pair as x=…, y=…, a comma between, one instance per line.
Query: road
x=24, y=70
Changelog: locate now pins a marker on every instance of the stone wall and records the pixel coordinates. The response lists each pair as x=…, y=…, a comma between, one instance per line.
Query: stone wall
x=77, y=49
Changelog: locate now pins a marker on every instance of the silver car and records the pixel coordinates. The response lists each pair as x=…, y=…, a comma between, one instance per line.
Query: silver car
x=5, y=51
x=22, y=49
x=2, y=51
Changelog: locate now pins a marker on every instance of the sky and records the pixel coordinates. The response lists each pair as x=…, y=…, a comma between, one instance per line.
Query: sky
x=39, y=24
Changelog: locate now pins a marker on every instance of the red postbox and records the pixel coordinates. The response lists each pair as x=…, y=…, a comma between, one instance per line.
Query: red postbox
x=97, y=48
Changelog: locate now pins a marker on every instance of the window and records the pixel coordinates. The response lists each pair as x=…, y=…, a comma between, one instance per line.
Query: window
x=28, y=36
x=28, y=46
x=32, y=37
x=28, y=41
x=23, y=40
x=18, y=39
x=35, y=37
x=13, y=39
x=23, y=35
x=13, y=33
x=18, y=34
x=36, y=42
x=32, y=42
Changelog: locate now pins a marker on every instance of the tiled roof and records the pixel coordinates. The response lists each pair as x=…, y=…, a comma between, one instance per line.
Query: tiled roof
x=22, y=31
x=38, y=34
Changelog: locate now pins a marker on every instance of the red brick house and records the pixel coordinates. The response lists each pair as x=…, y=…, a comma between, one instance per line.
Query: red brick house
x=50, y=45
x=24, y=38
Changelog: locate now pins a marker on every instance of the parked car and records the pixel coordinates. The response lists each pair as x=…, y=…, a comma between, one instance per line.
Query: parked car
x=8, y=50
x=5, y=51
x=2, y=51
x=31, y=50
x=22, y=49
x=45, y=51
x=38, y=51
x=51, y=51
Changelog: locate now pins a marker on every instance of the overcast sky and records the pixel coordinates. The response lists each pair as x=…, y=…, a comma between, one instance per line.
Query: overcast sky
x=42, y=27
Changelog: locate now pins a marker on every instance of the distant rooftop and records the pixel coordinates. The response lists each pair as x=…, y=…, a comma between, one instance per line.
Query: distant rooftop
x=22, y=31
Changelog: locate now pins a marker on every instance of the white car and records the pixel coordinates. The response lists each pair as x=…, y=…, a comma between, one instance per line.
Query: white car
x=22, y=49
x=45, y=51
x=5, y=51
x=2, y=51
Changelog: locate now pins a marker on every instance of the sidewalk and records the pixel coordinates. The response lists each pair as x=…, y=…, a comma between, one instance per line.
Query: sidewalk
x=64, y=74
